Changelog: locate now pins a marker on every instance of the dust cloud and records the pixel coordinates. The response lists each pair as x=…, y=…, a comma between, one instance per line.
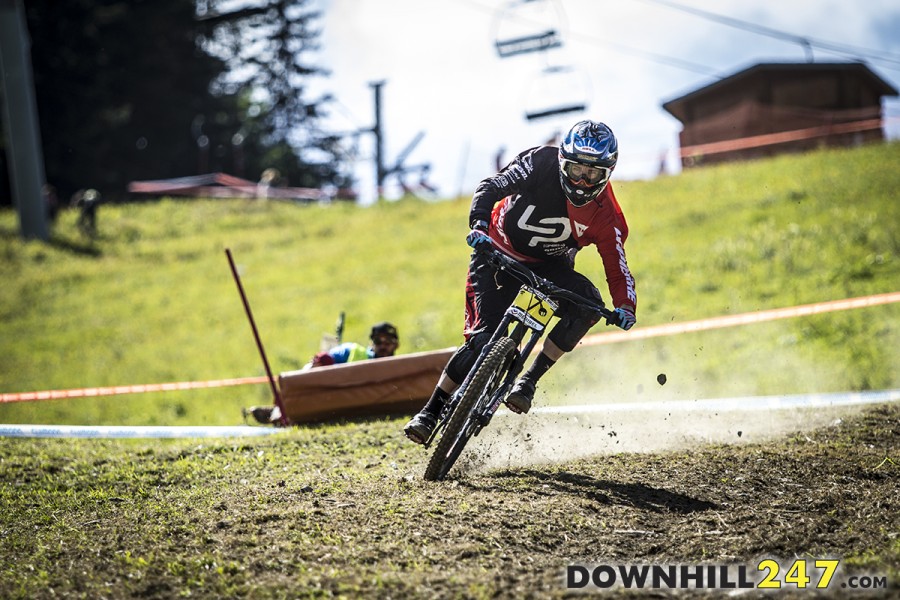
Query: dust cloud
x=551, y=436
x=660, y=394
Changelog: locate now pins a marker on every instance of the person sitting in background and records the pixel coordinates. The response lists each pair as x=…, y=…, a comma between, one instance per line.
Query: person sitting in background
x=384, y=340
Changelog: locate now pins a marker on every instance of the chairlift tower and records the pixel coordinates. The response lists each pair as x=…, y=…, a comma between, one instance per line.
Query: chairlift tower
x=382, y=171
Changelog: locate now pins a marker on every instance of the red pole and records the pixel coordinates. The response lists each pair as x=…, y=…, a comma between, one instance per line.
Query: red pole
x=262, y=352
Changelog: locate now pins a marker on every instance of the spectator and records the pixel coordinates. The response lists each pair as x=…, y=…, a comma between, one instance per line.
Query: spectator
x=384, y=343
x=87, y=201
x=384, y=340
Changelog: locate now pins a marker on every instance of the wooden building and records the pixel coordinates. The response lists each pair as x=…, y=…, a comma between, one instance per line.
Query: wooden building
x=772, y=108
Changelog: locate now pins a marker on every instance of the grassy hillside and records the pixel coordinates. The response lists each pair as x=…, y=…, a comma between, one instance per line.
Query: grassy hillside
x=151, y=299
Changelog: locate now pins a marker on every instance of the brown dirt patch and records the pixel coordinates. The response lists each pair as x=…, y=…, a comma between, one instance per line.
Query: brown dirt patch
x=341, y=511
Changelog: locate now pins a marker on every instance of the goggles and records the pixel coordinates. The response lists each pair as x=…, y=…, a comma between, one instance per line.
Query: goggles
x=591, y=175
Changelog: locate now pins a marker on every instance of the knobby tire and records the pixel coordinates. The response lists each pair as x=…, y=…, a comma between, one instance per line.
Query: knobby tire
x=456, y=434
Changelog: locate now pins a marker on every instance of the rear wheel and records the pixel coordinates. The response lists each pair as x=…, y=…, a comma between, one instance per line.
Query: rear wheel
x=461, y=424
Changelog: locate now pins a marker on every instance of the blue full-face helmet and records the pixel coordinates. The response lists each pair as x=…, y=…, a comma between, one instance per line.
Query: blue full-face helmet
x=587, y=157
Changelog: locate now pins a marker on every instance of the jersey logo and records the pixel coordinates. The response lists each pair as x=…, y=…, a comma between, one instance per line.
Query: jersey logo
x=579, y=228
x=559, y=230
x=623, y=266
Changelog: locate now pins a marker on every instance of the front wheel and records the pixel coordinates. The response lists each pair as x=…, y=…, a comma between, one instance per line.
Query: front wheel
x=461, y=424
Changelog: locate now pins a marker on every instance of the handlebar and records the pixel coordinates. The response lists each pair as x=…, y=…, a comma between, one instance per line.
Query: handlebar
x=502, y=262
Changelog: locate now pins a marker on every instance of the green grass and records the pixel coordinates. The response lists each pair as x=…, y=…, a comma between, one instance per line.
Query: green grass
x=151, y=299
x=340, y=510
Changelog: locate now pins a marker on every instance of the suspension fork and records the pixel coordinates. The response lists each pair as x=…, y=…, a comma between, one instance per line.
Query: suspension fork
x=517, y=334
x=450, y=406
x=515, y=368
x=499, y=332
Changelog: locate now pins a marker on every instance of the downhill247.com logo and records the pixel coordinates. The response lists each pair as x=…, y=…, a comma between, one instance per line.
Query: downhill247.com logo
x=766, y=574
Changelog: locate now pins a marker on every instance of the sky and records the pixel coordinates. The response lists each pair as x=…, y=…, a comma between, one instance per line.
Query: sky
x=445, y=81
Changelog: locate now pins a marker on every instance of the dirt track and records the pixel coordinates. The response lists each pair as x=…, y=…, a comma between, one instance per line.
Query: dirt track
x=512, y=532
x=342, y=511
x=831, y=493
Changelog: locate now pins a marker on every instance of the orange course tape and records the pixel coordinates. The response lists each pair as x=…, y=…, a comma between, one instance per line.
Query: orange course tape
x=767, y=139
x=127, y=389
x=591, y=340
x=741, y=319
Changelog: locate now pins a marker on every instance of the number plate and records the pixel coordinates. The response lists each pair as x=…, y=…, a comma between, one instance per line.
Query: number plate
x=533, y=308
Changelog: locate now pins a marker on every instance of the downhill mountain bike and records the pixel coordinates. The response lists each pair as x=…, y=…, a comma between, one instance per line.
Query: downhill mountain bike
x=473, y=404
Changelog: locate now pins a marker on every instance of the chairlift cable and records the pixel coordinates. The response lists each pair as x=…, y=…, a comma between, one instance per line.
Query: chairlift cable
x=846, y=50
x=643, y=54
x=853, y=51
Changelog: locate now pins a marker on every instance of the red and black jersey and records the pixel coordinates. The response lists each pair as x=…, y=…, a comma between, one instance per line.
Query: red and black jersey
x=531, y=220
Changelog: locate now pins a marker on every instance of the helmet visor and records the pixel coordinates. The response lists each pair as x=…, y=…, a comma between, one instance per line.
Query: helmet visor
x=589, y=174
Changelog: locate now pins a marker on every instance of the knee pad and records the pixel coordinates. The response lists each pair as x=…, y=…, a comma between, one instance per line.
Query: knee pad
x=462, y=360
x=571, y=328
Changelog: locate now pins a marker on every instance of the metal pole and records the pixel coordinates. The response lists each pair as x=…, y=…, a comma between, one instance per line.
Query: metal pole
x=262, y=352
x=26, y=162
x=379, y=142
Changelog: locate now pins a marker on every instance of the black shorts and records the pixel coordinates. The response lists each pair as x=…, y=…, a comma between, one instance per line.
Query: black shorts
x=490, y=292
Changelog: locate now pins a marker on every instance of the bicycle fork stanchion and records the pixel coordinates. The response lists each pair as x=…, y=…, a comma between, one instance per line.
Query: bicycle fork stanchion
x=447, y=412
x=275, y=393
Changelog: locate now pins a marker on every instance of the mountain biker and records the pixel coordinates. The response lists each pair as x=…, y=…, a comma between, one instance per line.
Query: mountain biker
x=384, y=340
x=540, y=209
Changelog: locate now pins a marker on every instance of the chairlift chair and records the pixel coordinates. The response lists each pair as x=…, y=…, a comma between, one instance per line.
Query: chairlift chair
x=557, y=91
x=524, y=26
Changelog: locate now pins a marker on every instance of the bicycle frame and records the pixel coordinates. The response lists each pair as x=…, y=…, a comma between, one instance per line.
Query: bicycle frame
x=528, y=315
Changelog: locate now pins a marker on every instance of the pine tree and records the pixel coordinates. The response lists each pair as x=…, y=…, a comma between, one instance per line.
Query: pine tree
x=150, y=89
x=265, y=44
